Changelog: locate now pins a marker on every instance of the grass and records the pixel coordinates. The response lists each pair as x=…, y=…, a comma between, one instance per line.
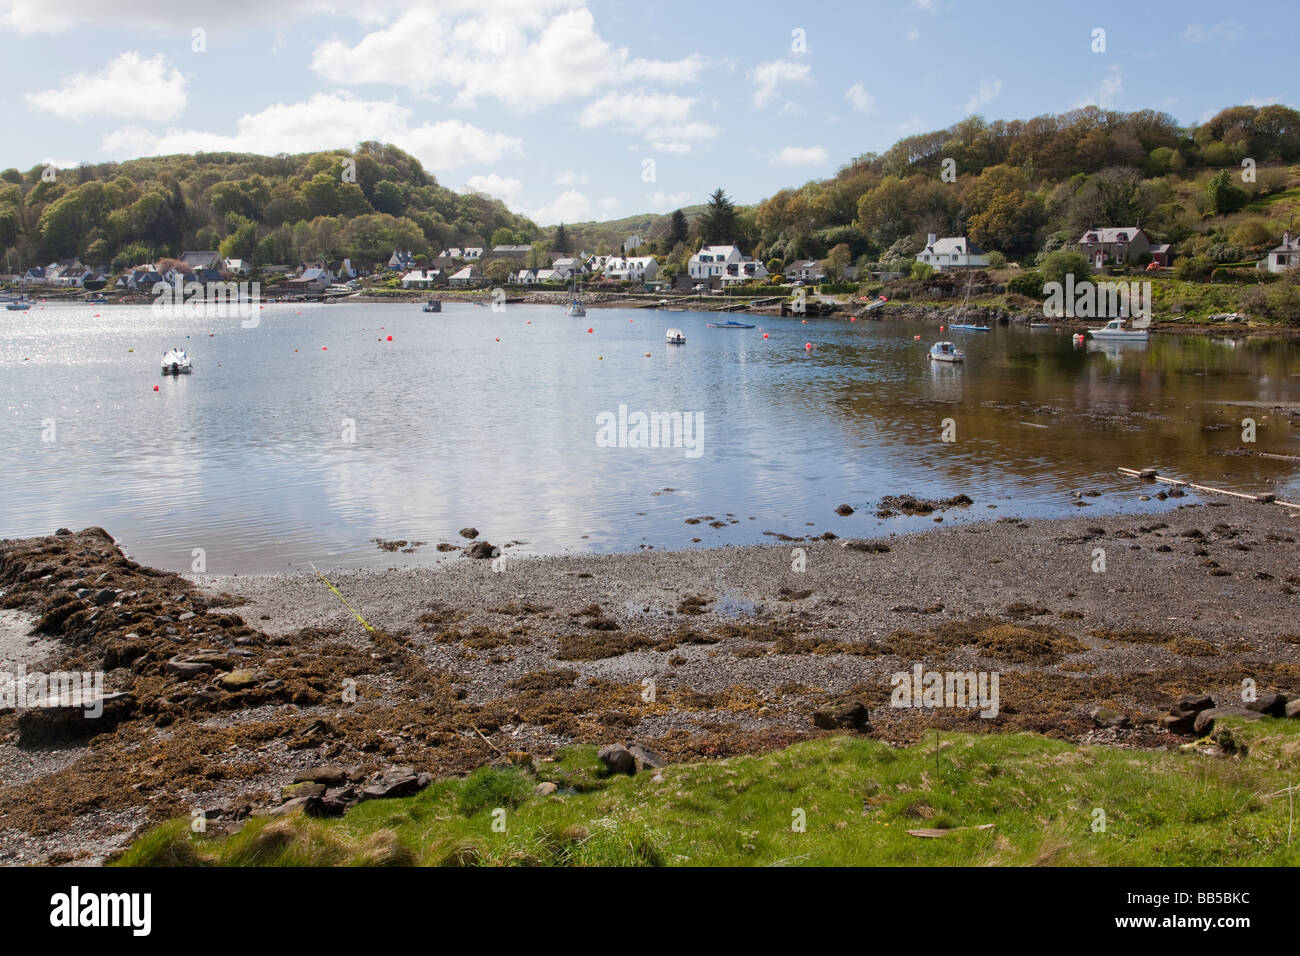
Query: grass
x=859, y=797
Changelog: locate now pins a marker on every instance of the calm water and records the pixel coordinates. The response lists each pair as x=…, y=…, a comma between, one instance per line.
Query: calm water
x=247, y=458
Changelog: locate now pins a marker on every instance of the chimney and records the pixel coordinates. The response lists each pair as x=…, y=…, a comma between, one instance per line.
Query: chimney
x=930, y=239
x=1286, y=238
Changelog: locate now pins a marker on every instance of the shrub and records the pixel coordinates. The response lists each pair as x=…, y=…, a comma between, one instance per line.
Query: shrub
x=921, y=270
x=1057, y=265
x=1028, y=284
x=1193, y=268
x=997, y=260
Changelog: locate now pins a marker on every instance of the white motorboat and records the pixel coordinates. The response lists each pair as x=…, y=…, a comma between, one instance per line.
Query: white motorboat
x=433, y=305
x=676, y=337
x=176, y=362
x=1114, y=330
x=946, y=352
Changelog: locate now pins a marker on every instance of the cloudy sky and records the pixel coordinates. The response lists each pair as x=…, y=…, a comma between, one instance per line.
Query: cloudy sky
x=573, y=110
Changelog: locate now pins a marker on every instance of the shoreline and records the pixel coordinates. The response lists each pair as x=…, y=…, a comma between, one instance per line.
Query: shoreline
x=464, y=664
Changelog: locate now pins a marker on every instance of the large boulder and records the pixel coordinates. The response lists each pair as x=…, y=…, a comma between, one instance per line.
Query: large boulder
x=1270, y=704
x=617, y=759
x=74, y=715
x=1109, y=717
x=330, y=776
x=843, y=715
x=1206, y=719
x=1193, y=704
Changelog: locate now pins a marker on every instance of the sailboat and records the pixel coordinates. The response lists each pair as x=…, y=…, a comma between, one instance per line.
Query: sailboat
x=967, y=326
x=576, y=309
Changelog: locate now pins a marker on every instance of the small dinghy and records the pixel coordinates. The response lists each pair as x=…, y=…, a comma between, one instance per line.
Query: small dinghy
x=946, y=352
x=433, y=305
x=676, y=337
x=176, y=362
x=729, y=325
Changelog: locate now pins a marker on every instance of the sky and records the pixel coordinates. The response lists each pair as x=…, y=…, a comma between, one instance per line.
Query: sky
x=571, y=110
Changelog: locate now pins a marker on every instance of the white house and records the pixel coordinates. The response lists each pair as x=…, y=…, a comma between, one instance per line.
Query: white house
x=523, y=277
x=423, y=279
x=1283, y=257
x=728, y=262
x=954, y=252
x=567, y=266
x=210, y=259
x=549, y=275
x=237, y=267
x=473, y=252
x=634, y=269
x=468, y=276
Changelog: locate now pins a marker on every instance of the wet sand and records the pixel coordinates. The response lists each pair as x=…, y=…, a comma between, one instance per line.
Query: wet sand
x=697, y=653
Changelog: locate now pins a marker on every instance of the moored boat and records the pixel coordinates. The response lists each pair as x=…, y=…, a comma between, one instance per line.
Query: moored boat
x=433, y=305
x=176, y=362
x=730, y=324
x=1114, y=330
x=946, y=352
x=676, y=337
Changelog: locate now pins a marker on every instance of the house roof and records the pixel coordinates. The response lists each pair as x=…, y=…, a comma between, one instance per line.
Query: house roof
x=958, y=245
x=202, y=258
x=468, y=272
x=1115, y=234
x=1288, y=245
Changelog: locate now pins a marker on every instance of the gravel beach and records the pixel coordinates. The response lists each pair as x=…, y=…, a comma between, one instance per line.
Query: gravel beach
x=236, y=683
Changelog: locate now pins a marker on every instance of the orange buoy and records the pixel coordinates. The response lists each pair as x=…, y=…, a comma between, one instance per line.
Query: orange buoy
x=808, y=346
x=155, y=388
x=805, y=322
x=764, y=335
x=390, y=338
x=591, y=330
x=941, y=328
x=916, y=338
x=324, y=348
x=498, y=340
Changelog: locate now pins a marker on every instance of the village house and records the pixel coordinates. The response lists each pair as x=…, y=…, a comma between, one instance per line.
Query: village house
x=549, y=275
x=424, y=279
x=952, y=252
x=237, y=267
x=401, y=261
x=1118, y=246
x=566, y=266
x=634, y=269
x=466, y=277
x=727, y=263
x=1283, y=257
x=202, y=260
x=523, y=277
x=512, y=252
x=805, y=270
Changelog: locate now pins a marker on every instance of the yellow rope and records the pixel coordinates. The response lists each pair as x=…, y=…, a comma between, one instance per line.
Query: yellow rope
x=343, y=599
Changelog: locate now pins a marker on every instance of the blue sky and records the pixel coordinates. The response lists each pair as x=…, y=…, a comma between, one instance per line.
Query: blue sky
x=572, y=110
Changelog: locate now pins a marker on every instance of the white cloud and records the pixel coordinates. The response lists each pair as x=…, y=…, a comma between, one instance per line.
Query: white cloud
x=326, y=121
x=569, y=206
x=636, y=110
x=569, y=178
x=502, y=187
x=609, y=204
x=678, y=149
x=927, y=5
x=859, y=98
x=800, y=156
x=1223, y=30
x=661, y=201
x=1105, y=96
x=117, y=90
x=60, y=16
x=987, y=92
x=767, y=79
x=525, y=54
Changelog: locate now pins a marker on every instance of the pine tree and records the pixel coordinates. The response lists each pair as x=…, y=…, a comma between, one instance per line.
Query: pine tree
x=718, y=224
x=561, y=241
x=678, y=230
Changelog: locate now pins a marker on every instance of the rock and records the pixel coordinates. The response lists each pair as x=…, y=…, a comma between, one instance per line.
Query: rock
x=305, y=804
x=1193, y=703
x=1293, y=708
x=481, y=550
x=545, y=788
x=617, y=759
x=1271, y=704
x=845, y=510
x=1205, y=720
x=295, y=790
x=185, y=669
x=330, y=776
x=187, y=616
x=851, y=714
x=1109, y=717
x=646, y=759
x=239, y=680
x=470, y=533
x=74, y=715
x=106, y=596
x=399, y=782
x=1184, y=724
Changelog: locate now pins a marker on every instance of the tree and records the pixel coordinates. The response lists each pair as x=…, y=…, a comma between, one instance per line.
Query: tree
x=1224, y=196
x=679, y=230
x=718, y=223
x=1057, y=265
x=560, y=241
x=498, y=270
x=835, y=261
